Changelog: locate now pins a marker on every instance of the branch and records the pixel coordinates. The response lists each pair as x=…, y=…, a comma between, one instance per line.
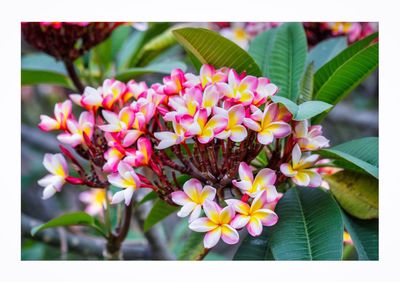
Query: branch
x=84, y=245
x=69, y=65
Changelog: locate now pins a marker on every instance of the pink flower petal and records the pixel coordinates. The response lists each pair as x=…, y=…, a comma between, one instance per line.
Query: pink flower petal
x=212, y=237
x=202, y=224
x=229, y=235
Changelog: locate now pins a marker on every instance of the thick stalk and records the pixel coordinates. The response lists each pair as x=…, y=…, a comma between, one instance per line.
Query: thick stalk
x=69, y=65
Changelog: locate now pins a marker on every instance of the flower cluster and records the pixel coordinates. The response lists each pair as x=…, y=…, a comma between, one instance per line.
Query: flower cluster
x=66, y=40
x=208, y=126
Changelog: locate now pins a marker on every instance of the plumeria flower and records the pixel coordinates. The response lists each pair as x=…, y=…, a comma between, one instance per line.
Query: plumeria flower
x=95, y=200
x=203, y=129
x=127, y=179
x=135, y=90
x=173, y=84
x=192, y=198
x=264, y=180
x=237, y=89
x=299, y=169
x=208, y=75
x=58, y=168
x=142, y=155
x=112, y=91
x=62, y=112
x=76, y=129
x=91, y=98
x=237, y=33
x=309, y=138
x=168, y=139
x=271, y=126
x=187, y=104
x=252, y=217
x=216, y=224
x=264, y=90
x=116, y=123
x=113, y=156
x=234, y=129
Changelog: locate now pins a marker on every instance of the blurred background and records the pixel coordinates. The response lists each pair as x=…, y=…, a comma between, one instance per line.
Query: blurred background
x=143, y=51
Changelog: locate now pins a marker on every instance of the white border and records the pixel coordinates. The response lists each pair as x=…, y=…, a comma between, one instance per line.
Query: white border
x=199, y=10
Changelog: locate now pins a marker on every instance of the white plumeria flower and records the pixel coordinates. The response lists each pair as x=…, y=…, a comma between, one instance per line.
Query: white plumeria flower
x=238, y=34
x=308, y=137
x=192, y=198
x=58, y=168
x=125, y=178
x=95, y=199
x=217, y=224
x=252, y=217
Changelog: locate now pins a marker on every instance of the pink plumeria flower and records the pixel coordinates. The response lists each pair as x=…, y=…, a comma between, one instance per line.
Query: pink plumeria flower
x=91, y=98
x=216, y=224
x=127, y=179
x=300, y=169
x=95, y=200
x=309, y=138
x=271, y=127
x=207, y=75
x=252, y=217
x=264, y=90
x=62, y=112
x=142, y=155
x=234, y=129
x=187, y=104
x=237, y=89
x=204, y=129
x=117, y=123
x=113, y=156
x=168, y=139
x=76, y=129
x=135, y=90
x=173, y=84
x=264, y=180
x=112, y=91
x=192, y=198
x=58, y=168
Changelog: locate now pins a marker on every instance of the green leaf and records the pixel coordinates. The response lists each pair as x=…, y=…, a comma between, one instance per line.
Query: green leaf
x=254, y=248
x=72, y=218
x=155, y=47
x=307, y=84
x=34, y=77
x=359, y=155
x=336, y=79
x=118, y=38
x=149, y=197
x=288, y=58
x=211, y=48
x=40, y=61
x=310, y=226
x=365, y=236
x=303, y=111
x=357, y=193
x=326, y=50
x=260, y=49
x=192, y=247
x=163, y=68
x=158, y=212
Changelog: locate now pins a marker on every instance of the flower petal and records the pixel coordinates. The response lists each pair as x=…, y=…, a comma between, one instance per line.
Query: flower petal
x=287, y=170
x=238, y=133
x=301, y=179
x=265, y=137
x=279, y=129
x=186, y=209
x=195, y=213
x=212, y=210
x=251, y=124
x=229, y=235
x=212, y=237
x=226, y=215
x=266, y=216
x=254, y=227
x=315, y=179
x=239, y=206
x=202, y=224
x=240, y=221
x=208, y=192
x=179, y=198
x=192, y=188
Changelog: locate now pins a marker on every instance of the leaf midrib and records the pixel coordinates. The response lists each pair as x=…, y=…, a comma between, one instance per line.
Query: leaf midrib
x=305, y=224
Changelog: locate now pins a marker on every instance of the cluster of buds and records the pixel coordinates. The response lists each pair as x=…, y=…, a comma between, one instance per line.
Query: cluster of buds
x=208, y=126
x=66, y=40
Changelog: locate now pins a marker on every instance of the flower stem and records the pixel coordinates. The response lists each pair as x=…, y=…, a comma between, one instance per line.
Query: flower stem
x=69, y=65
x=203, y=254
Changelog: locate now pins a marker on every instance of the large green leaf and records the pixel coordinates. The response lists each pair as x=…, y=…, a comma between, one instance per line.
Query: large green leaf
x=211, y=48
x=365, y=236
x=260, y=49
x=303, y=111
x=40, y=61
x=310, y=226
x=255, y=248
x=307, y=84
x=158, y=212
x=336, y=79
x=288, y=58
x=163, y=68
x=357, y=193
x=72, y=218
x=192, y=247
x=326, y=50
x=34, y=77
x=359, y=155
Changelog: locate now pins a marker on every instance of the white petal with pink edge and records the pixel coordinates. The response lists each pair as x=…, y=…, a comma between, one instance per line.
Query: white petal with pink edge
x=229, y=235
